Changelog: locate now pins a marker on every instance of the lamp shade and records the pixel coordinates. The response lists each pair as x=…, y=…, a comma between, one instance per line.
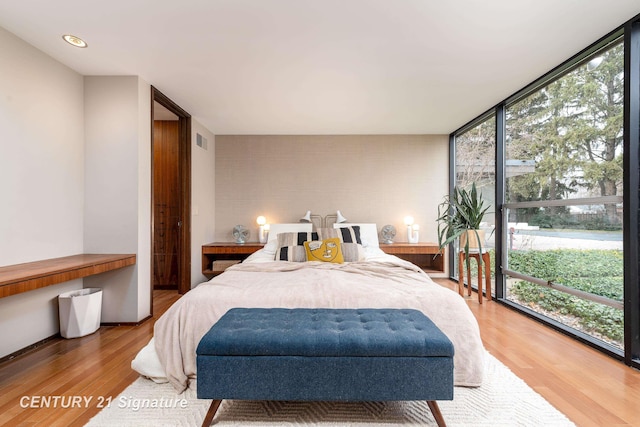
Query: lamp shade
x=340, y=218
x=306, y=217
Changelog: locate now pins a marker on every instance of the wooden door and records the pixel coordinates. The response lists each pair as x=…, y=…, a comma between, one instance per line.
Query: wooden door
x=166, y=200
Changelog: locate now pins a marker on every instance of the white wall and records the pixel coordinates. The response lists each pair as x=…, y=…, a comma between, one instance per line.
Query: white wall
x=144, y=200
x=118, y=190
x=41, y=181
x=202, y=197
x=75, y=176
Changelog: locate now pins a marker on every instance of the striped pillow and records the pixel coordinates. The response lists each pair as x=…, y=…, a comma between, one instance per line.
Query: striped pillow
x=350, y=238
x=291, y=246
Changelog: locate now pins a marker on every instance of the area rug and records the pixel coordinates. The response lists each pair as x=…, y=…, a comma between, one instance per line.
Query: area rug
x=503, y=400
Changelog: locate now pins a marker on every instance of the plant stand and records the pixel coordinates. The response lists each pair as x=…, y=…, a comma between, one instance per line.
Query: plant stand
x=486, y=261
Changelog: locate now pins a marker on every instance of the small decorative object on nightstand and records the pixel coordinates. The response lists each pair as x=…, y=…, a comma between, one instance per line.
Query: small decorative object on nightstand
x=240, y=233
x=412, y=230
x=264, y=229
x=388, y=233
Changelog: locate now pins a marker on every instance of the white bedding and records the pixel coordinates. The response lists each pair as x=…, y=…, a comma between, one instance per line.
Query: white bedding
x=382, y=281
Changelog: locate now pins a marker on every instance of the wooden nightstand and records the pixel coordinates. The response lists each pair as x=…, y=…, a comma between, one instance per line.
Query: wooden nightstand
x=224, y=252
x=425, y=255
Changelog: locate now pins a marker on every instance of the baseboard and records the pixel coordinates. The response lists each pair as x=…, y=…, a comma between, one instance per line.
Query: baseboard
x=40, y=343
x=29, y=348
x=126, y=323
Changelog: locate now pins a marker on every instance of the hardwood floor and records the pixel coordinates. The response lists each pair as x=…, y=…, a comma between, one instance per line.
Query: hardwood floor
x=96, y=366
x=590, y=388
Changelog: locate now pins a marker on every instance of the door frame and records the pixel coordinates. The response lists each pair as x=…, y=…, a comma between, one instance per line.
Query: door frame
x=184, y=175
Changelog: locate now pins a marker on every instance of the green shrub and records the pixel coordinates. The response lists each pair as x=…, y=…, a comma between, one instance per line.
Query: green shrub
x=557, y=264
x=599, y=272
x=592, y=317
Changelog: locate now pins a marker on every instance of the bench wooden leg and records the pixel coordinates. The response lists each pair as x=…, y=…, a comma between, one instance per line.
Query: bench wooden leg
x=212, y=412
x=435, y=410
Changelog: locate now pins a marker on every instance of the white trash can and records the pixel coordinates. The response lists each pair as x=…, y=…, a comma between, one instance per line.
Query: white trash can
x=80, y=312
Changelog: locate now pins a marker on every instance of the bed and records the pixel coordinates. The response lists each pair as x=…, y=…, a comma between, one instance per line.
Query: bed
x=372, y=279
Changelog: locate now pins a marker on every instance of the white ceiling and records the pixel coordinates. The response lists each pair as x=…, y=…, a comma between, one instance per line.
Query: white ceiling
x=321, y=66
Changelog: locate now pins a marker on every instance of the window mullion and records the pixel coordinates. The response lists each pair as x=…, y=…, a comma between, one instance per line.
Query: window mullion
x=632, y=192
x=499, y=198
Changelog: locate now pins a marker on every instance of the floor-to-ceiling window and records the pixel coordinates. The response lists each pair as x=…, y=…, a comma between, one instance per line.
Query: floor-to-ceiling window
x=567, y=196
x=564, y=254
x=475, y=164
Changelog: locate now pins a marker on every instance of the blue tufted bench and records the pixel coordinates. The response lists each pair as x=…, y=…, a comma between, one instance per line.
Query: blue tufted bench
x=325, y=355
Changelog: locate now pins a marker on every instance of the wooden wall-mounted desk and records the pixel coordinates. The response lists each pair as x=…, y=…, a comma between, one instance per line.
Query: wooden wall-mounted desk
x=19, y=278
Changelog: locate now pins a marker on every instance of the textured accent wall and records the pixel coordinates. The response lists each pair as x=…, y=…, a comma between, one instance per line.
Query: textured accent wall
x=369, y=178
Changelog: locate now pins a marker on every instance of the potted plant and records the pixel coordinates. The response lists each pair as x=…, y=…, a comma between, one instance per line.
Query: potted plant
x=459, y=216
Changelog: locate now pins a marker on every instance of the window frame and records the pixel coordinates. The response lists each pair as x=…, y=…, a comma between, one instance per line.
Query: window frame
x=630, y=34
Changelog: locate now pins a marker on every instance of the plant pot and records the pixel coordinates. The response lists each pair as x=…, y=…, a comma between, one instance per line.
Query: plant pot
x=473, y=239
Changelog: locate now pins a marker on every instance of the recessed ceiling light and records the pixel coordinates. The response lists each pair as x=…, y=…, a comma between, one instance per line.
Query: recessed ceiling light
x=75, y=41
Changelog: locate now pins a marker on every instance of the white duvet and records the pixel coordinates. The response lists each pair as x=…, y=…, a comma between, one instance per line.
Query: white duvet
x=383, y=281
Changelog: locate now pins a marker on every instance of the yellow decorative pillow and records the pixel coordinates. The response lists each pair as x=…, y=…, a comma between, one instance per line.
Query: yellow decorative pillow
x=327, y=250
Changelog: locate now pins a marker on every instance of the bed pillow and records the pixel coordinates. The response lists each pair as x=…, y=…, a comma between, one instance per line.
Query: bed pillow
x=327, y=250
x=368, y=233
x=275, y=229
x=350, y=234
x=291, y=246
x=350, y=241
